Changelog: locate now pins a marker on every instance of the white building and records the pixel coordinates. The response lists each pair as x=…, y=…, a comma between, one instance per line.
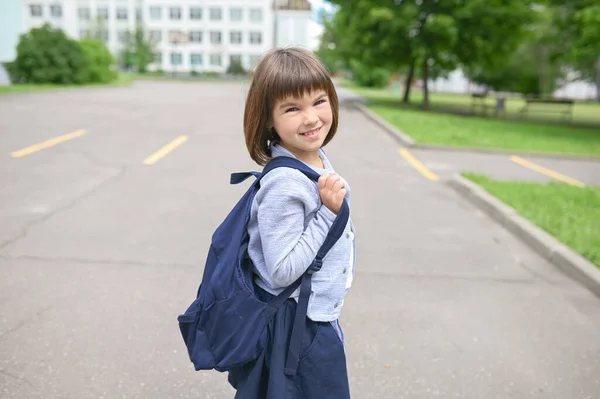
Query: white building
x=457, y=82
x=200, y=35
x=292, y=22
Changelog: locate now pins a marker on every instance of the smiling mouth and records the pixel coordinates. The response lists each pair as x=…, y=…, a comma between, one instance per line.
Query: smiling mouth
x=312, y=132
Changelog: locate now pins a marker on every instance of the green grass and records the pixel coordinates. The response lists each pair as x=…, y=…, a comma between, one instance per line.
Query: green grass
x=583, y=112
x=449, y=129
x=571, y=214
x=122, y=80
x=460, y=131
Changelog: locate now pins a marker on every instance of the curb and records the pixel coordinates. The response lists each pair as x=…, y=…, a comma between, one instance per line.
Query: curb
x=569, y=262
x=497, y=151
x=405, y=140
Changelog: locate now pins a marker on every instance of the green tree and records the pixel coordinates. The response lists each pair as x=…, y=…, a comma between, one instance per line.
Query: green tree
x=99, y=30
x=429, y=35
x=99, y=60
x=368, y=76
x=519, y=73
x=327, y=44
x=47, y=55
x=532, y=67
x=236, y=68
x=138, y=52
x=578, y=23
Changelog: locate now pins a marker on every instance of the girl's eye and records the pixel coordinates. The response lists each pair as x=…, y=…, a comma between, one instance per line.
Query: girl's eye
x=321, y=101
x=291, y=109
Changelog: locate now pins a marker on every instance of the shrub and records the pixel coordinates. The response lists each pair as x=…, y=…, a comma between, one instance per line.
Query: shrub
x=47, y=55
x=367, y=76
x=99, y=62
x=235, y=68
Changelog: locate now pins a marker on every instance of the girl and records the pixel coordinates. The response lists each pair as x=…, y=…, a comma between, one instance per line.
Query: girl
x=292, y=110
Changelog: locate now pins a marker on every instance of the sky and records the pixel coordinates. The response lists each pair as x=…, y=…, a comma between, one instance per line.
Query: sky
x=315, y=29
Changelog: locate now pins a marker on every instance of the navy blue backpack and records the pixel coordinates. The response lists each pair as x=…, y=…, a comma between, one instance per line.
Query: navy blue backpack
x=226, y=326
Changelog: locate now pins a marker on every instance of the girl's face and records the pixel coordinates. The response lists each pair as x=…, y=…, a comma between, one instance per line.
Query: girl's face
x=303, y=123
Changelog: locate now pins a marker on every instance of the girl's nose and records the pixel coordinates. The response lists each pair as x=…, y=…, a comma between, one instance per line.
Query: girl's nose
x=311, y=118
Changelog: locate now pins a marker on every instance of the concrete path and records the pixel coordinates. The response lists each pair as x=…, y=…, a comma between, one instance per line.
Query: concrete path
x=445, y=162
x=100, y=252
x=510, y=167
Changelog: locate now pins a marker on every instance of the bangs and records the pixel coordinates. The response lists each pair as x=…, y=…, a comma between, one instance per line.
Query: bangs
x=293, y=76
x=282, y=73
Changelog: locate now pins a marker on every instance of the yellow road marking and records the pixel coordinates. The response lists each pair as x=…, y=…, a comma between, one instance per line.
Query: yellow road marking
x=417, y=164
x=152, y=159
x=47, y=143
x=546, y=171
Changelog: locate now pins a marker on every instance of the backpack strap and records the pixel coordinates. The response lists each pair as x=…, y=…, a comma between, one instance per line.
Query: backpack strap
x=336, y=231
x=289, y=162
x=237, y=178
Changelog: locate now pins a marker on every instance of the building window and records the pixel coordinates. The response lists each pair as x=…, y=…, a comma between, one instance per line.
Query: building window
x=155, y=36
x=256, y=15
x=102, y=35
x=83, y=33
x=176, y=37
x=176, y=59
x=122, y=14
x=35, y=10
x=196, y=36
x=215, y=14
x=235, y=14
x=255, y=37
x=123, y=36
x=102, y=13
x=155, y=13
x=235, y=58
x=196, y=59
x=196, y=13
x=175, y=13
x=83, y=13
x=215, y=37
x=235, y=37
x=215, y=59
x=56, y=11
x=157, y=59
x=138, y=14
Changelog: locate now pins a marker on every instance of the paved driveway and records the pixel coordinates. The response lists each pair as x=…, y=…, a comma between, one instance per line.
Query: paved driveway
x=103, y=235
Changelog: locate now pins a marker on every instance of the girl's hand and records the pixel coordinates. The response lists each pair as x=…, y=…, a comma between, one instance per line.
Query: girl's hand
x=332, y=191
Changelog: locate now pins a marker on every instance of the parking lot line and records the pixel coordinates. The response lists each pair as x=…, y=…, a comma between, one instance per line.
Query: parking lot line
x=417, y=164
x=47, y=144
x=545, y=171
x=152, y=159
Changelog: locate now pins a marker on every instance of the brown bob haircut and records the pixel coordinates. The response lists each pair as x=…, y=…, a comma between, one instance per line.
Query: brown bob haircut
x=280, y=73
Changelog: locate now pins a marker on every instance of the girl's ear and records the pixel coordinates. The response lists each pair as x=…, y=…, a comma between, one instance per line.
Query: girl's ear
x=273, y=133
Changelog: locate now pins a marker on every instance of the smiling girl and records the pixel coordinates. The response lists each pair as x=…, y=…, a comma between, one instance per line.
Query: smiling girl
x=292, y=111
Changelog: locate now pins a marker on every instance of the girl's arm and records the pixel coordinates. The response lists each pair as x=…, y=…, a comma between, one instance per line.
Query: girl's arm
x=285, y=198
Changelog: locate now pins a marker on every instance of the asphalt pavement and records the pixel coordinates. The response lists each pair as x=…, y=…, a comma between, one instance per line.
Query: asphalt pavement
x=103, y=235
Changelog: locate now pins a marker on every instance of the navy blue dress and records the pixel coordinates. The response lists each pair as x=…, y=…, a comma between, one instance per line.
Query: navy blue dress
x=322, y=371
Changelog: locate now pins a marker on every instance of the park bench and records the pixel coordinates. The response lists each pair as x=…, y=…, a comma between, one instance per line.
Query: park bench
x=479, y=100
x=562, y=106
